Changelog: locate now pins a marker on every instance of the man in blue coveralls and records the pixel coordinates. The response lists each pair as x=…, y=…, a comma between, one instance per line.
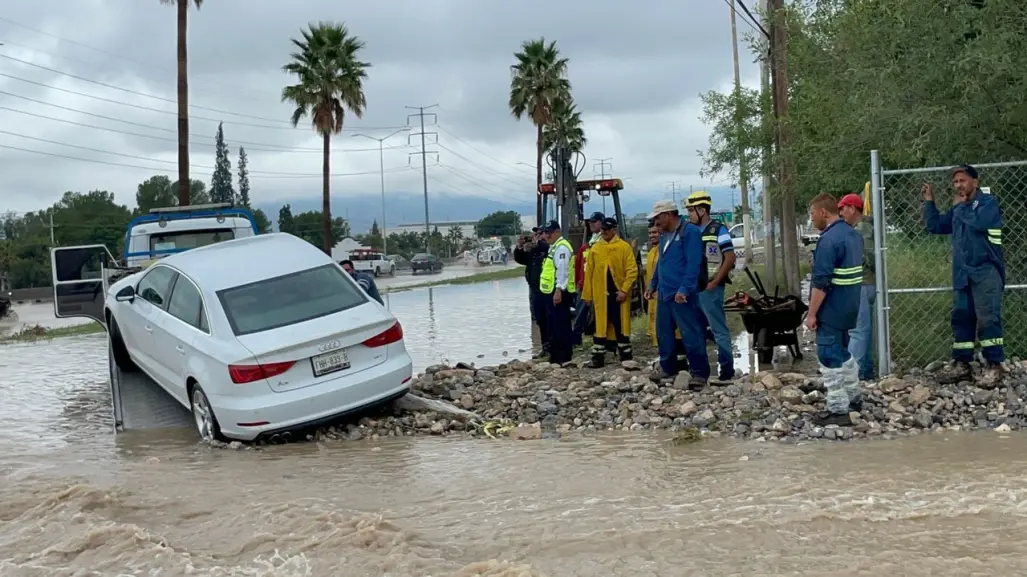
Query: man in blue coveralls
x=834, y=306
x=676, y=282
x=978, y=274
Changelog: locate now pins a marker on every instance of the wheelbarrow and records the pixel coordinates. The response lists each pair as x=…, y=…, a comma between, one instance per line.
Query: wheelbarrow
x=772, y=319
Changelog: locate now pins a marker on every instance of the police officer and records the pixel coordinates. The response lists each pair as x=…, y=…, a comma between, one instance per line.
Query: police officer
x=719, y=254
x=557, y=283
x=531, y=253
x=978, y=274
x=834, y=306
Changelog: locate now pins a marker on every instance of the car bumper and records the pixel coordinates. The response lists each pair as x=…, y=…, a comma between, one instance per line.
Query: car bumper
x=312, y=406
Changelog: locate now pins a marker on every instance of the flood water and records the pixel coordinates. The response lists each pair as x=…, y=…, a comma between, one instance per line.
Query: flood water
x=76, y=500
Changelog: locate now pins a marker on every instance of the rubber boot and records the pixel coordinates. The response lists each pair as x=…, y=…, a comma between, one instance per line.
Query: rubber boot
x=598, y=360
x=624, y=352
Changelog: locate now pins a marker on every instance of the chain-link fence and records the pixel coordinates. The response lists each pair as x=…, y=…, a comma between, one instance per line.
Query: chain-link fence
x=914, y=313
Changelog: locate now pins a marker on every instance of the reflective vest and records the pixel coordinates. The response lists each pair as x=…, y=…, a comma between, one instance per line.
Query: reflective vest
x=712, y=252
x=547, y=282
x=595, y=238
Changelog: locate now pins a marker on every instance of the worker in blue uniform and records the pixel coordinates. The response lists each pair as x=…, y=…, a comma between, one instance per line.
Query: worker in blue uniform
x=834, y=307
x=676, y=282
x=978, y=274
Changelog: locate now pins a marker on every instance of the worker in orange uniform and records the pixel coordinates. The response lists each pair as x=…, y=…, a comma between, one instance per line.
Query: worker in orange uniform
x=650, y=265
x=610, y=275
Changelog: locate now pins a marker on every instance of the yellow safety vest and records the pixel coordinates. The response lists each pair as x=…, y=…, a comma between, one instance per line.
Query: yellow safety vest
x=595, y=238
x=547, y=282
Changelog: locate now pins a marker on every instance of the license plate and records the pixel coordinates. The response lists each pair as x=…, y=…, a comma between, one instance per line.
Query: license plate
x=330, y=362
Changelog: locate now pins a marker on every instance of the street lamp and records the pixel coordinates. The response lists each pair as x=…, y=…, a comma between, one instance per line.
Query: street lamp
x=381, y=164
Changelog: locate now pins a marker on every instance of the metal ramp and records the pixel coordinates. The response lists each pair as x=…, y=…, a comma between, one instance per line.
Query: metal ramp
x=140, y=403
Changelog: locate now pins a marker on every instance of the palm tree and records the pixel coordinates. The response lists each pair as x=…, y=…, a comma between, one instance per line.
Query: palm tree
x=539, y=80
x=565, y=126
x=183, y=97
x=329, y=81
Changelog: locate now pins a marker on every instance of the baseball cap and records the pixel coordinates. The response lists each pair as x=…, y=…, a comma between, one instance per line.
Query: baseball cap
x=551, y=226
x=596, y=217
x=535, y=229
x=661, y=207
x=967, y=169
x=608, y=223
x=852, y=200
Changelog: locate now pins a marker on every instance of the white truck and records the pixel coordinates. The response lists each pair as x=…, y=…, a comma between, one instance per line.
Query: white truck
x=372, y=262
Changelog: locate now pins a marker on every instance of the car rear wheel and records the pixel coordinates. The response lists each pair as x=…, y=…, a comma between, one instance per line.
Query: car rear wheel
x=377, y=272
x=203, y=415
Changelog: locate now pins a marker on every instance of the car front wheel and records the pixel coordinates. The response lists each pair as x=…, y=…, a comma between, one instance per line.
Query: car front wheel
x=121, y=356
x=206, y=423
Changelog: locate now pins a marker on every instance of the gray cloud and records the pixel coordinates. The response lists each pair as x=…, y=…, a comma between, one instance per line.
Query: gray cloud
x=636, y=68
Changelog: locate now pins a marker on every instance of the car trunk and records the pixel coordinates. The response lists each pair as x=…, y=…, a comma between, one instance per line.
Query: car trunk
x=322, y=349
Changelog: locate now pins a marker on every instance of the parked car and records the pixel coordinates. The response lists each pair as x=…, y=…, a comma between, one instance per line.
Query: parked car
x=425, y=263
x=257, y=352
x=371, y=262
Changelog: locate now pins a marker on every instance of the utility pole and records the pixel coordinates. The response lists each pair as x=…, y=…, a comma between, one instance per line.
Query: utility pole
x=53, y=237
x=602, y=163
x=779, y=72
x=743, y=165
x=769, y=240
x=673, y=186
x=424, y=164
x=381, y=164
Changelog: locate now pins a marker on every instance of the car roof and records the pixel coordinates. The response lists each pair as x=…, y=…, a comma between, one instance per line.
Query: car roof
x=245, y=260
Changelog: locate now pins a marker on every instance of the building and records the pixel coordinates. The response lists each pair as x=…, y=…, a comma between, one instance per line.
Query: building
x=467, y=227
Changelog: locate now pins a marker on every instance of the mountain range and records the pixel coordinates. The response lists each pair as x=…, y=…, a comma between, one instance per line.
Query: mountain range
x=408, y=207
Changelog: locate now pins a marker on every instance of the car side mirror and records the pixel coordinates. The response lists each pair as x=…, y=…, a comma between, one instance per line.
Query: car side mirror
x=127, y=294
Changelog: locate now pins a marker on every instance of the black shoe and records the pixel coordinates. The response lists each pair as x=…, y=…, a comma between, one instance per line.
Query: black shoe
x=598, y=361
x=625, y=354
x=728, y=377
x=953, y=373
x=825, y=419
x=856, y=405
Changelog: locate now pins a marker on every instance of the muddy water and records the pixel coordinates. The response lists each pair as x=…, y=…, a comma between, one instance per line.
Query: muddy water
x=75, y=500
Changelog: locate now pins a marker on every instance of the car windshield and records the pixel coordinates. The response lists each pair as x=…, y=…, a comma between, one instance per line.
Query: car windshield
x=421, y=256
x=289, y=299
x=187, y=239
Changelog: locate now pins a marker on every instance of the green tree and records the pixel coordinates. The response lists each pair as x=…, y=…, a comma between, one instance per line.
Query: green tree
x=155, y=192
x=566, y=126
x=500, y=223
x=330, y=81
x=244, y=178
x=263, y=223
x=374, y=238
x=538, y=81
x=307, y=225
x=221, y=181
x=197, y=192
x=286, y=222
x=183, y=97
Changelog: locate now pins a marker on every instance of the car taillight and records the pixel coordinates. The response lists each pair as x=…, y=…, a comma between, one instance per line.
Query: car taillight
x=391, y=335
x=242, y=374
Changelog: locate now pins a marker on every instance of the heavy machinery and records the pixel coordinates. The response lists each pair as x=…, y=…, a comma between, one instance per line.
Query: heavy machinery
x=576, y=233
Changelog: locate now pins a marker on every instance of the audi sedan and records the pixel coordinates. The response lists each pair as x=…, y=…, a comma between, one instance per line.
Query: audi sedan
x=259, y=337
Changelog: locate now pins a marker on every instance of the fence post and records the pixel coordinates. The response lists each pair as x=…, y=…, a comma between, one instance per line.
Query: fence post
x=880, y=273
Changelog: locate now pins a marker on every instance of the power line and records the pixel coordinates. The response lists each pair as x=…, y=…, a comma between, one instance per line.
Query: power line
x=121, y=56
x=175, y=171
x=752, y=21
x=251, y=146
x=172, y=113
x=485, y=154
x=137, y=93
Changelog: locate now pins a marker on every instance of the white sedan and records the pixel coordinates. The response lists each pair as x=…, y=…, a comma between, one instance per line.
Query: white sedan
x=258, y=336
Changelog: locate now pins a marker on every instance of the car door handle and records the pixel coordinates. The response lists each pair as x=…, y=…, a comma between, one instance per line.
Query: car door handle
x=148, y=328
x=180, y=349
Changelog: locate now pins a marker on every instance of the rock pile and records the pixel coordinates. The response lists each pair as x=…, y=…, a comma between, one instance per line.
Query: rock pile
x=530, y=400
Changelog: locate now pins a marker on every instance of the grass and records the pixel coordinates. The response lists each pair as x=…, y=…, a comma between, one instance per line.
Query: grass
x=493, y=275
x=32, y=333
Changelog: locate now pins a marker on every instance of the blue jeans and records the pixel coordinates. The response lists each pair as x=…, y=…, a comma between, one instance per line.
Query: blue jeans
x=861, y=338
x=712, y=304
x=832, y=347
x=687, y=318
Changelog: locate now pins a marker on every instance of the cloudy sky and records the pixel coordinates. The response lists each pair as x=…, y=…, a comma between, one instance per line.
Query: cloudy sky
x=91, y=83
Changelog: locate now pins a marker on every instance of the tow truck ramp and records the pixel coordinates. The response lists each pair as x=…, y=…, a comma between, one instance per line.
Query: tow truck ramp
x=81, y=276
